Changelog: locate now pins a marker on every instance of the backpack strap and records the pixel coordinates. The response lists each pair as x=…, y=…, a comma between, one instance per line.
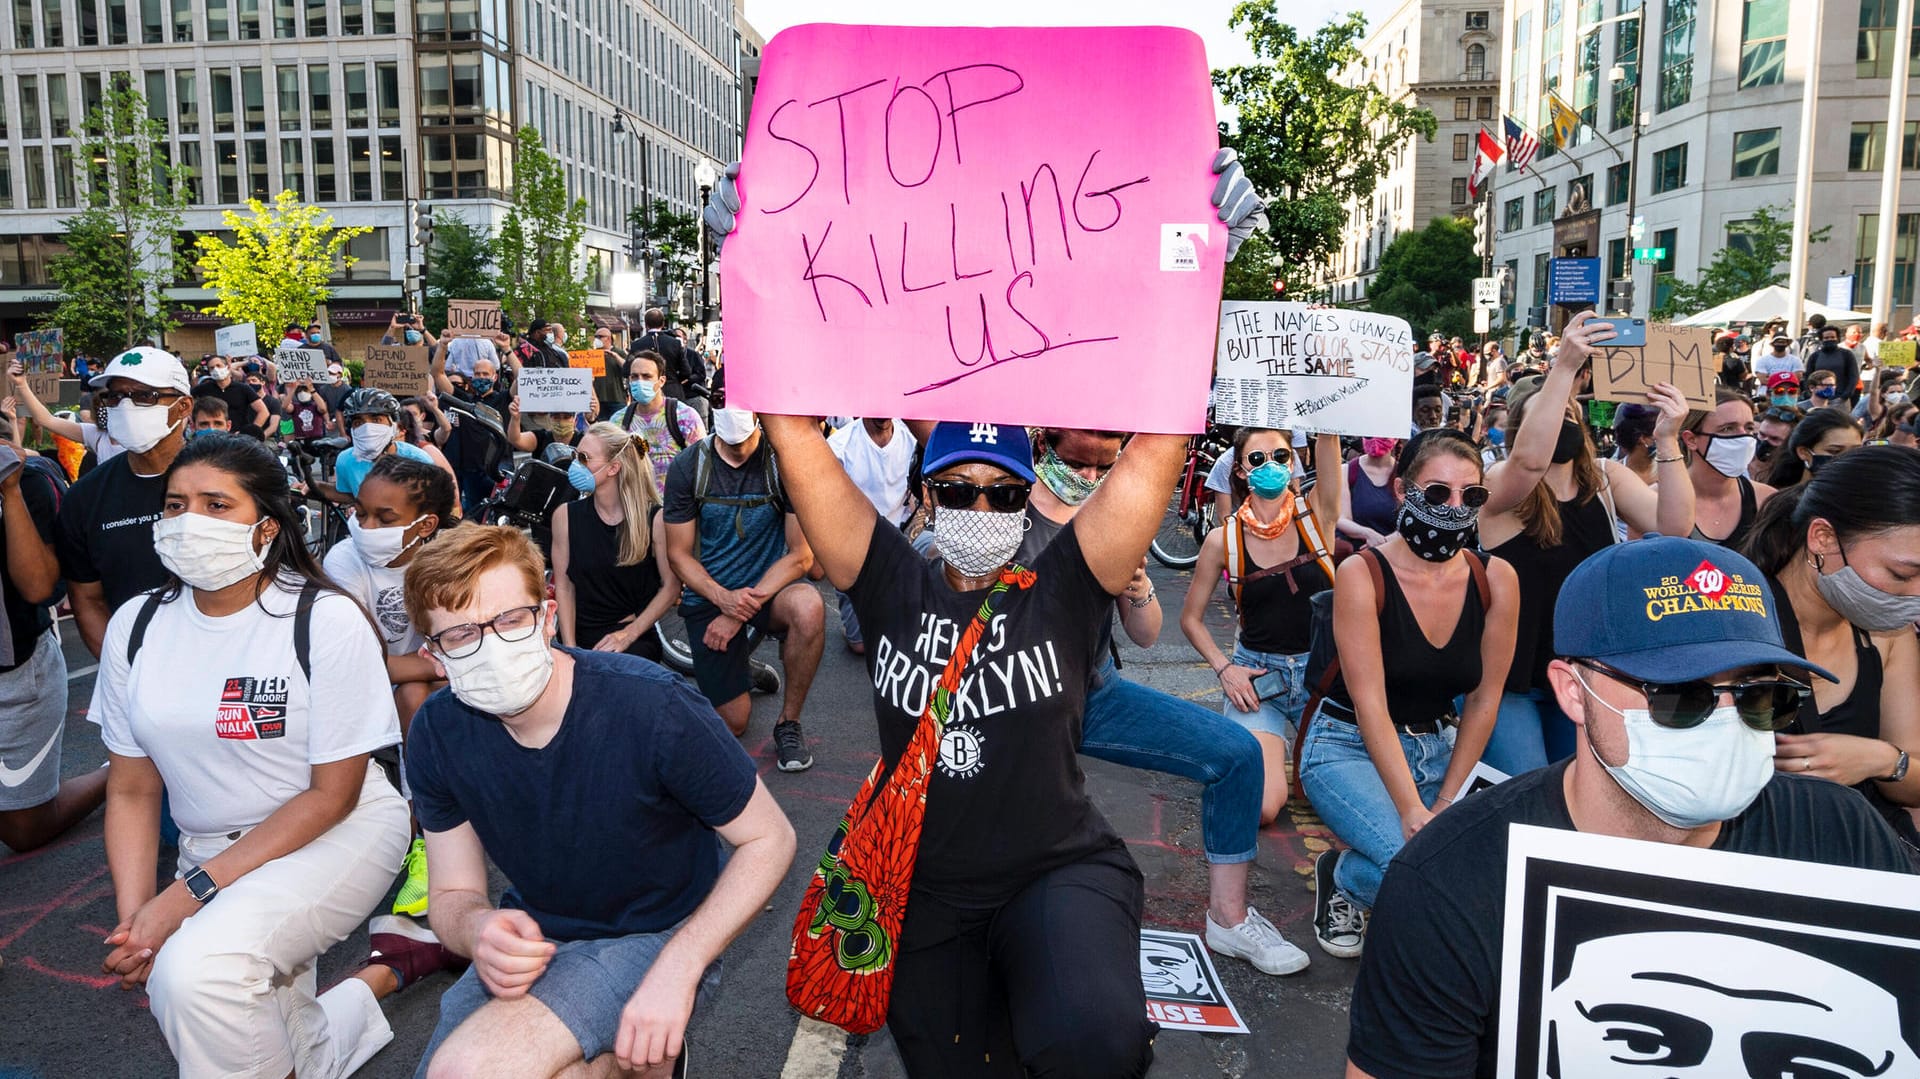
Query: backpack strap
x=674, y=430
x=138, y=635
x=1309, y=528
x=1478, y=567
x=703, y=470
x=1236, y=557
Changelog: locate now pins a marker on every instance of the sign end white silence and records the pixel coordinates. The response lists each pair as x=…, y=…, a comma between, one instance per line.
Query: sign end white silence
x=1313, y=369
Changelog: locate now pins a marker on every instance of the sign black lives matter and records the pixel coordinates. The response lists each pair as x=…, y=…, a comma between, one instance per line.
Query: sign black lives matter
x=1302, y=368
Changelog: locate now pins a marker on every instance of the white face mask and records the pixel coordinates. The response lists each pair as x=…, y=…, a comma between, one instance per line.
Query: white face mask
x=380, y=546
x=734, y=425
x=371, y=439
x=217, y=373
x=139, y=427
x=303, y=397
x=503, y=678
x=207, y=553
x=1730, y=455
x=978, y=542
x=1694, y=777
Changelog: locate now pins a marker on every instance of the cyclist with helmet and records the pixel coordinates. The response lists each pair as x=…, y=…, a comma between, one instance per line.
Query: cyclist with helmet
x=372, y=418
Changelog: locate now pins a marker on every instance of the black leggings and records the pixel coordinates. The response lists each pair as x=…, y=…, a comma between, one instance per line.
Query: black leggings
x=1048, y=984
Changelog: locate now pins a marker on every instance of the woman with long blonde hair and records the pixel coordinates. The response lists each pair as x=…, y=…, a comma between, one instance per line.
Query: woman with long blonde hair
x=611, y=577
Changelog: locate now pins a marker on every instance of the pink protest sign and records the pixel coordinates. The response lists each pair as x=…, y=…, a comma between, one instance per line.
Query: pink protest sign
x=1007, y=225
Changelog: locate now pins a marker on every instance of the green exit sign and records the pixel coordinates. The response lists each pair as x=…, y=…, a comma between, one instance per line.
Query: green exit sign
x=1649, y=254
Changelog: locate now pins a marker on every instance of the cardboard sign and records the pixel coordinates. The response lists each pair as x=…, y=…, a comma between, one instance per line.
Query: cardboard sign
x=589, y=359
x=555, y=389
x=402, y=370
x=1682, y=355
x=239, y=341
x=473, y=318
x=1707, y=951
x=1287, y=365
x=1896, y=353
x=974, y=224
x=39, y=353
x=1183, y=990
x=301, y=364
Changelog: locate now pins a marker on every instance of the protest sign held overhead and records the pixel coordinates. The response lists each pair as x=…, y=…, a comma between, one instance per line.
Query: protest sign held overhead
x=39, y=353
x=239, y=340
x=473, y=318
x=555, y=389
x=1682, y=355
x=402, y=370
x=1896, y=353
x=978, y=209
x=589, y=359
x=1288, y=365
x=301, y=364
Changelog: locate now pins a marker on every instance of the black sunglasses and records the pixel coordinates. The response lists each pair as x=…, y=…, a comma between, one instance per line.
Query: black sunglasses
x=1765, y=704
x=961, y=495
x=110, y=398
x=1472, y=496
x=1281, y=456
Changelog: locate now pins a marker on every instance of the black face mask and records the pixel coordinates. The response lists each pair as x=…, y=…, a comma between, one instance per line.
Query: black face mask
x=1818, y=461
x=1763, y=451
x=1567, y=447
x=1436, y=533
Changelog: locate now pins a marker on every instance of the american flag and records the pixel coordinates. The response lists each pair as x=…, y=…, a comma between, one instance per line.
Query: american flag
x=1521, y=144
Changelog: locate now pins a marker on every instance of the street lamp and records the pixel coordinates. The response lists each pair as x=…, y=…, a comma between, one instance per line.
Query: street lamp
x=705, y=175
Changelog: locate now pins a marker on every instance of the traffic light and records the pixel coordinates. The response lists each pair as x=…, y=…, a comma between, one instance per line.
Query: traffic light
x=1620, y=295
x=422, y=227
x=411, y=278
x=1480, y=246
x=1279, y=287
x=635, y=248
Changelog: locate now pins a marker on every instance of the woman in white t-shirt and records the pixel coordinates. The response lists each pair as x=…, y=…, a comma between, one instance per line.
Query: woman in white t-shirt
x=90, y=434
x=252, y=688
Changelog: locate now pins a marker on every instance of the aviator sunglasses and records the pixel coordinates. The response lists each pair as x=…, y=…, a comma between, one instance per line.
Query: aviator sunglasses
x=1281, y=456
x=1472, y=496
x=960, y=495
x=1765, y=704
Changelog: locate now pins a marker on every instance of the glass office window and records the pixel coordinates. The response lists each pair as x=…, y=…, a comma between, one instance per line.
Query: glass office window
x=189, y=152
x=320, y=95
x=23, y=36
x=468, y=88
x=157, y=105
x=183, y=20
x=246, y=20
x=435, y=101
x=89, y=23
x=287, y=78
x=1543, y=205
x=226, y=165
x=355, y=77
x=384, y=21
x=1619, y=183
x=353, y=17
x=1906, y=243
x=153, y=22
x=1676, y=55
x=360, y=168
x=259, y=185
x=1514, y=218
x=116, y=20
x=292, y=172
x=316, y=18
x=186, y=99
x=324, y=188
x=1874, y=51
x=63, y=187
x=393, y=169
x=1763, y=43
x=1670, y=169
x=253, y=97
x=386, y=81
x=6, y=186
x=216, y=20
x=34, y=165
x=1867, y=146
x=1756, y=153
x=59, y=119
x=286, y=19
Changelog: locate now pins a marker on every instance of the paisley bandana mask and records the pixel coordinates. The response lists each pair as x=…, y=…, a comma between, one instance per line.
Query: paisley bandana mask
x=1436, y=533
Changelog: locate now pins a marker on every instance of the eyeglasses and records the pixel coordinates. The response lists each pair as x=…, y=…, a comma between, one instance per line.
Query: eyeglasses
x=960, y=495
x=110, y=398
x=1472, y=496
x=461, y=641
x=1765, y=704
x=1281, y=456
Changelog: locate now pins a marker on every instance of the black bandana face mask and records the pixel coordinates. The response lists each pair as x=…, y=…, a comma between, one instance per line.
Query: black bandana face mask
x=1567, y=446
x=1436, y=533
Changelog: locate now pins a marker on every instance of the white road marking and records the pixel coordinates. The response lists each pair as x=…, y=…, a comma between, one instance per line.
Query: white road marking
x=816, y=1051
x=82, y=672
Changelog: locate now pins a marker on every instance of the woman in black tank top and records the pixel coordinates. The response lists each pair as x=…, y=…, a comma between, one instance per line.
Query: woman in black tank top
x=1722, y=444
x=1435, y=624
x=1842, y=552
x=610, y=573
x=1554, y=503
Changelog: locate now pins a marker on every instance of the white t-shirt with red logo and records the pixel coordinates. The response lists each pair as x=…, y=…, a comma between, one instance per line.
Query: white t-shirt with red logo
x=221, y=706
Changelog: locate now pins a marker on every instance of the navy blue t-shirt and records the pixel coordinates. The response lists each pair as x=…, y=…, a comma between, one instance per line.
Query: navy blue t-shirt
x=607, y=830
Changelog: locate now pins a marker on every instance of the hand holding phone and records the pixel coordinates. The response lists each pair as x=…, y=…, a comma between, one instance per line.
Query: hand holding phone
x=1628, y=333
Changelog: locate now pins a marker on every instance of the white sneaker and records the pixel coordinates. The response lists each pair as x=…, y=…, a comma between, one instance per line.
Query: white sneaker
x=1258, y=942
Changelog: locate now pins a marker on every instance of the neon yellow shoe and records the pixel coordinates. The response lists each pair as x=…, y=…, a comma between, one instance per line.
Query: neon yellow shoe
x=412, y=900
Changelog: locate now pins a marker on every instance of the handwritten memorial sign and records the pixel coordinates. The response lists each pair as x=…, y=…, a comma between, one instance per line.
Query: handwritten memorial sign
x=977, y=224
x=473, y=318
x=403, y=370
x=39, y=353
x=1682, y=355
x=1896, y=353
x=556, y=389
x=589, y=359
x=301, y=364
x=239, y=340
x=1313, y=369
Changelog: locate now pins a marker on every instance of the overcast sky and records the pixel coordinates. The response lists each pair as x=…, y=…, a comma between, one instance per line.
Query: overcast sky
x=1208, y=18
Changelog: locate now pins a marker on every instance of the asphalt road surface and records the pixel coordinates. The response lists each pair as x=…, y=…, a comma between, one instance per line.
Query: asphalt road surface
x=59, y=1016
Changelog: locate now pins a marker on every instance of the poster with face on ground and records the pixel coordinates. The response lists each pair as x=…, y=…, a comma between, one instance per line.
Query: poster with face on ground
x=1645, y=960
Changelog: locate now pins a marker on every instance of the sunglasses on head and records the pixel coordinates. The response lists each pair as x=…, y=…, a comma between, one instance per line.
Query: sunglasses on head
x=1472, y=496
x=1281, y=456
x=961, y=495
x=1765, y=704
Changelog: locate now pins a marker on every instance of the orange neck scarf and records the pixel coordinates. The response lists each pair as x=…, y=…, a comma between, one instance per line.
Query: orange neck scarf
x=1263, y=529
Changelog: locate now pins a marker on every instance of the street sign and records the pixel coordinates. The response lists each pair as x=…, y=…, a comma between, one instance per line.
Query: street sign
x=1486, y=293
x=1639, y=227
x=1572, y=282
x=1482, y=319
x=1840, y=291
x=1649, y=254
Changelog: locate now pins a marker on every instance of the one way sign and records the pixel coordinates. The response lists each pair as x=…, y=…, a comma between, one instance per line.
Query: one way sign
x=1486, y=293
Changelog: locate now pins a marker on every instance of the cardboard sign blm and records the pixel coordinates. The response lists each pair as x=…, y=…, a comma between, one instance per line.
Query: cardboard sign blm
x=555, y=389
x=589, y=359
x=1896, y=353
x=298, y=364
x=1183, y=989
x=473, y=318
x=237, y=340
x=402, y=370
x=1682, y=355
x=968, y=224
x=1287, y=365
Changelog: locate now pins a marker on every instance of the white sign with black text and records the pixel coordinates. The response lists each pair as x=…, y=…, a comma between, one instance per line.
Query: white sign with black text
x=301, y=364
x=1319, y=369
x=556, y=389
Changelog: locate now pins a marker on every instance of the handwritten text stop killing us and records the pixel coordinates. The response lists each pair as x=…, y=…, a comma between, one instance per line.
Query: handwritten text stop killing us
x=1310, y=342
x=909, y=132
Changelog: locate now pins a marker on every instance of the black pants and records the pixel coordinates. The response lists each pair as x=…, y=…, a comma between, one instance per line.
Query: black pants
x=646, y=646
x=1046, y=985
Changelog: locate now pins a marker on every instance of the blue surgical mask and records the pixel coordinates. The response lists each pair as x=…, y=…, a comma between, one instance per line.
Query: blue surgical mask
x=1270, y=479
x=482, y=385
x=1497, y=436
x=581, y=477
x=1825, y=393
x=412, y=336
x=1785, y=400
x=643, y=390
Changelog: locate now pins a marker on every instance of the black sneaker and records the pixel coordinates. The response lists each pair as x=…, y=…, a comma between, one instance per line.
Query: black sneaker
x=763, y=678
x=1339, y=926
x=791, y=745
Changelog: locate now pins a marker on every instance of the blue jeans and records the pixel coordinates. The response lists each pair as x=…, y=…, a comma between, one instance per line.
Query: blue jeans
x=1348, y=793
x=1127, y=723
x=1530, y=732
x=1278, y=716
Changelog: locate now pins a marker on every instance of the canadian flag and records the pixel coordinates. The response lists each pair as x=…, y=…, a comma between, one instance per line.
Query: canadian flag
x=1489, y=155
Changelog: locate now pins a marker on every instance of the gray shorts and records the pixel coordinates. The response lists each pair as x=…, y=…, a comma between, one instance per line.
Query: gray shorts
x=586, y=985
x=33, y=715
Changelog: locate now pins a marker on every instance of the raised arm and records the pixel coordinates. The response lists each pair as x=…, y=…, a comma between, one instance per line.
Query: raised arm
x=1329, y=497
x=835, y=517
x=67, y=429
x=1513, y=479
x=1119, y=520
x=1666, y=507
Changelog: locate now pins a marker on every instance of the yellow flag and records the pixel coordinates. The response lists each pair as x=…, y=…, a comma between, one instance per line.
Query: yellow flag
x=1565, y=121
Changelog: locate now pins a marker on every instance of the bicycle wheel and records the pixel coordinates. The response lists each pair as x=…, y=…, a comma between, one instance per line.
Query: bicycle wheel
x=1177, y=545
x=672, y=635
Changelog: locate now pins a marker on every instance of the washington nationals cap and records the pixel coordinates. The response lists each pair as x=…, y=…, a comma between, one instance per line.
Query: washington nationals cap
x=1000, y=445
x=1664, y=609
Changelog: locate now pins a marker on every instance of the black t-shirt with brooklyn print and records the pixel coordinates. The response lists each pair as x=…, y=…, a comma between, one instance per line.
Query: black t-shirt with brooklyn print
x=1008, y=801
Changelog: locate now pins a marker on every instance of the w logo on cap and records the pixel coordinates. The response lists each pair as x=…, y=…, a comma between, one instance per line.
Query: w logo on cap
x=984, y=432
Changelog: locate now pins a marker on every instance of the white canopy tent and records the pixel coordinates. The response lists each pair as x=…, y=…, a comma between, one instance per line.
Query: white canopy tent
x=1766, y=303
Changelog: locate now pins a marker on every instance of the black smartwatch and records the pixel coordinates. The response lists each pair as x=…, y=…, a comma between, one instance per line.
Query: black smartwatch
x=200, y=885
x=1899, y=769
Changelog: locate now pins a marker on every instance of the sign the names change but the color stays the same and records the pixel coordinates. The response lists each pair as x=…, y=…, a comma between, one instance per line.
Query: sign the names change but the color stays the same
x=1320, y=369
x=1006, y=225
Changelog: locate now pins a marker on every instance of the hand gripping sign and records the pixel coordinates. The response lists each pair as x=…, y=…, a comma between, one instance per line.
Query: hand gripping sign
x=1006, y=225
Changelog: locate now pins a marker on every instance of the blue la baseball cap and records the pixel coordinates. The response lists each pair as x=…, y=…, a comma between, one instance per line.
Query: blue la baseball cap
x=1000, y=445
x=1665, y=609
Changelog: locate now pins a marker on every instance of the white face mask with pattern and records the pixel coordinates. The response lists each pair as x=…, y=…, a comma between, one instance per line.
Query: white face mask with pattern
x=978, y=542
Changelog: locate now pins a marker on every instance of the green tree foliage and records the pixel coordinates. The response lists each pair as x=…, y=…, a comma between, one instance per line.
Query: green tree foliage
x=538, y=246
x=1308, y=141
x=275, y=271
x=121, y=248
x=1745, y=265
x=672, y=241
x=1426, y=277
x=459, y=267
x=1251, y=274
